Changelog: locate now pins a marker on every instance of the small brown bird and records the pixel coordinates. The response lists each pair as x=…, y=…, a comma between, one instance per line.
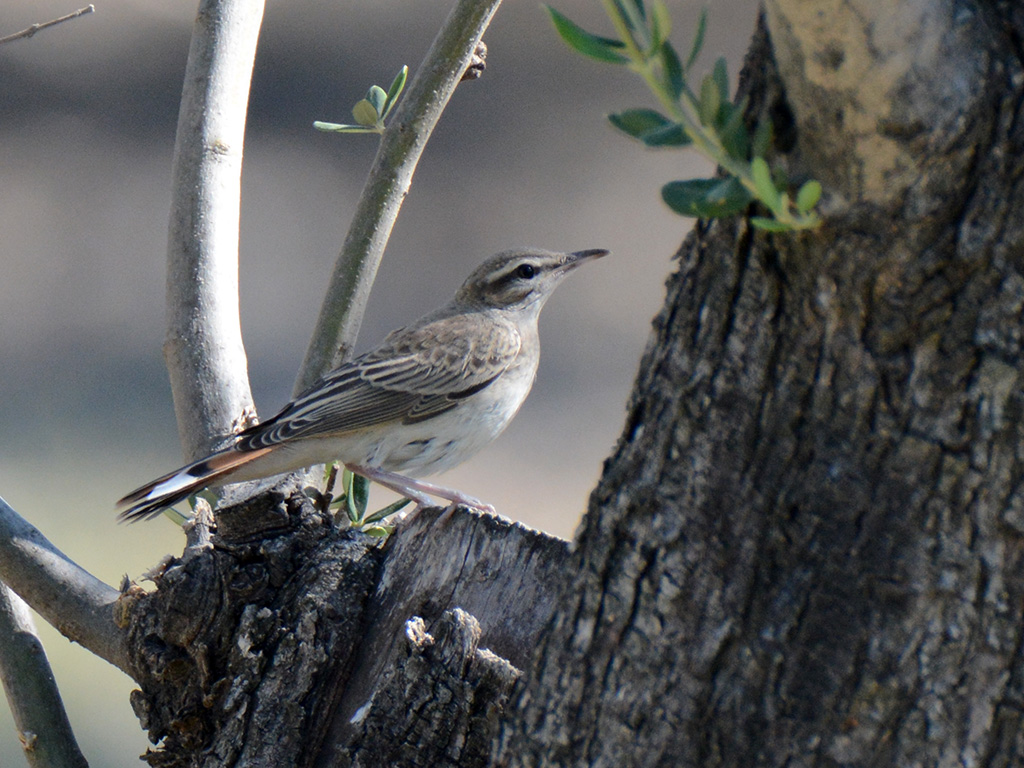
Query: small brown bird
x=427, y=398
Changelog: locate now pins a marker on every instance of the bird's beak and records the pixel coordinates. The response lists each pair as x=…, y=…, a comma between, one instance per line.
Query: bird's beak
x=582, y=257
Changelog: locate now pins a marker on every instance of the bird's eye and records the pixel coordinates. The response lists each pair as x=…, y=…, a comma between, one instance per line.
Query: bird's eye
x=526, y=271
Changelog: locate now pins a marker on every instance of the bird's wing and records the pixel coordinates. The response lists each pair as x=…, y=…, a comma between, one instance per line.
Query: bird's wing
x=415, y=374
x=445, y=357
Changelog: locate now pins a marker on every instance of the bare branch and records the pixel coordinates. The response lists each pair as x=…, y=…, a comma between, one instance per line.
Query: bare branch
x=387, y=184
x=32, y=694
x=30, y=31
x=74, y=601
x=203, y=351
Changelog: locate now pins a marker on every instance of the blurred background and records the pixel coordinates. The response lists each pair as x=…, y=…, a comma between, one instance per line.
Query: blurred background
x=523, y=156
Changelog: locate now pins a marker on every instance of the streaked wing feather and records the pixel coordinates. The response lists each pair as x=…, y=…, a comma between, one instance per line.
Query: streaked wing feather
x=415, y=375
x=433, y=405
x=342, y=404
x=445, y=357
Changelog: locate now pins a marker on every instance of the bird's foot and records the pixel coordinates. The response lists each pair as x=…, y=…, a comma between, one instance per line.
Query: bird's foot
x=469, y=501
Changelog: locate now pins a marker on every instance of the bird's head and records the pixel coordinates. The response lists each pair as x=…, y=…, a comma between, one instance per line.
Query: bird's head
x=521, y=278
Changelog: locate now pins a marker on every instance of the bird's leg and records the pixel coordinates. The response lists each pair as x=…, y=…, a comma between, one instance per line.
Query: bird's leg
x=393, y=482
x=417, y=490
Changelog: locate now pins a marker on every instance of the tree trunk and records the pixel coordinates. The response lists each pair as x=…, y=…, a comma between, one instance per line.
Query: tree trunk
x=806, y=548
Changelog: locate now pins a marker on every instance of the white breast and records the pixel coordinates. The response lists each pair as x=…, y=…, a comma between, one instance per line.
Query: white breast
x=453, y=437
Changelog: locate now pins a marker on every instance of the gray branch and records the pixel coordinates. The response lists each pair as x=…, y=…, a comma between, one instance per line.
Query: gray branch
x=74, y=601
x=387, y=184
x=43, y=727
x=203, y=350
x=31, y=31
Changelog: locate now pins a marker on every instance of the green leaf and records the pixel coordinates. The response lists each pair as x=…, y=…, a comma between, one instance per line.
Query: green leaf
x=376, y=96
x=706, y=198
x=733, y=131
x=721, y=75
x=360, y=493
x=175, y=516
x=365, y=113
x=650, y=127
x=672, y=70
x=632, y=15
x=710, y=101
x=671, y=135
x=637, y=122
x=395, y=90
x=808, y=196
x=357, y=491
x=770, y=225
x=341, y=128
x=728, y=196
x=763, y=136
x=387, y=511
x=379, y=531
x=661, y=25
x=698, y=39
x=767, y=193
x=346, y=486
x=581, y=41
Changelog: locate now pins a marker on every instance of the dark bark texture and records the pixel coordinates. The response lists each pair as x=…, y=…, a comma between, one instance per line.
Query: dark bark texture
x=807, y=547
x=279, y=640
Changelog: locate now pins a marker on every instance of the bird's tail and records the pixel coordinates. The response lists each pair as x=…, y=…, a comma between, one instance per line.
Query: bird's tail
x=152, y=498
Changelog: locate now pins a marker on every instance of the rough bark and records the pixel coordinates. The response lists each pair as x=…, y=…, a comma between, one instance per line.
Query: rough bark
x=807, y=547
x=279, y=640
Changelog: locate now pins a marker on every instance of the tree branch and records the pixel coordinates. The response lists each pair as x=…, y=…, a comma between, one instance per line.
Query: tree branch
x=32, y=694
x=30, y=31
x=203, y=350
x=387, y=184
x=74, y=601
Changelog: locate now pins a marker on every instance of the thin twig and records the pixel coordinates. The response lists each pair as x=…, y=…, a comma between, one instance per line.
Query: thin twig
x=76, y=603
x=39, y=715
x=387, y=184
x=37, y=27
x=203, y=350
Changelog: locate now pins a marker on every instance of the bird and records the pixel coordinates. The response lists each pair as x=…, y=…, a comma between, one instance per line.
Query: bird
x=427, y=398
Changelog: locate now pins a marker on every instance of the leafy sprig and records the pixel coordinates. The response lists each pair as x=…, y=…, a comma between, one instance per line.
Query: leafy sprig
x=369, y=112
x=705, y=119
